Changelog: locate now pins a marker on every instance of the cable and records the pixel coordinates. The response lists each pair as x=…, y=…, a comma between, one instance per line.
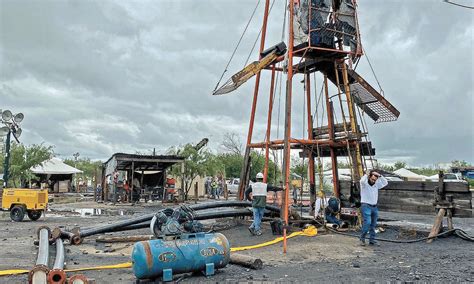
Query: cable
x=460, y=5
x=258, y=36
x=237, y=46
x=373, y=72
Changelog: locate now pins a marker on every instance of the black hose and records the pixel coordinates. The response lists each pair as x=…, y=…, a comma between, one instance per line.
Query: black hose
x=211, y=205
x=458, y=232
x=197, y=216
x=109, y=227
x=119, y=226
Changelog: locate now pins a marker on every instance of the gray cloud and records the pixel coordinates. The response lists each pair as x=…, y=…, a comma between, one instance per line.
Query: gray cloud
x=104, y=76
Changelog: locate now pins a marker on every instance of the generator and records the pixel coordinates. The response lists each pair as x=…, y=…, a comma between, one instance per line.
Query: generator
x=21, y=201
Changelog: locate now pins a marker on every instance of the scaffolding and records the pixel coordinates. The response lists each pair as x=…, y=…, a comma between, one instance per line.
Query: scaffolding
x=323, y=36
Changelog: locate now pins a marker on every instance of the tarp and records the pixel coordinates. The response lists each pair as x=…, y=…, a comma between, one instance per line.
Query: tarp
x=409, y=175
x=54, y=166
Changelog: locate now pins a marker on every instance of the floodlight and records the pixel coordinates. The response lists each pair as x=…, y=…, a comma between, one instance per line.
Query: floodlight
x=4, y=130
x=18, y=117
x=6, y=115
x=18, y=132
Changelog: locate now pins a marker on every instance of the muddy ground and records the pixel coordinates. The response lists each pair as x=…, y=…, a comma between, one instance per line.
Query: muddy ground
x=325, y=257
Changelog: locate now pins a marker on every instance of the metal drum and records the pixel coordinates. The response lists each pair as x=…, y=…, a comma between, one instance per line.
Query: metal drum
x=187, y=253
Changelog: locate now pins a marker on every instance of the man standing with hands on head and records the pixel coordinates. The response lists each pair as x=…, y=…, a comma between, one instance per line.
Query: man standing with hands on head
x=369, y=193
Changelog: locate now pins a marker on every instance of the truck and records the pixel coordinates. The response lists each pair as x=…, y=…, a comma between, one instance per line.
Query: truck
x=22, y=201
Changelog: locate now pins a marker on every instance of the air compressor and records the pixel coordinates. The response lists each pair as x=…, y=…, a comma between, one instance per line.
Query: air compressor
x=181, y=247
x=195, y=252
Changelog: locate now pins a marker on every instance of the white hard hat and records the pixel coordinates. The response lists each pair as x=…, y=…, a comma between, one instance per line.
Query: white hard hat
x=259, y=175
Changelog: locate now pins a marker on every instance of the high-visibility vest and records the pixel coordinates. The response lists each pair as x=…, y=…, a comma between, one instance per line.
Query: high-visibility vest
x=259, y=189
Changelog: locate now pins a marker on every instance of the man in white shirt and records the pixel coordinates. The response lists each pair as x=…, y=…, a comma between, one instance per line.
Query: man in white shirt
x=369, y=194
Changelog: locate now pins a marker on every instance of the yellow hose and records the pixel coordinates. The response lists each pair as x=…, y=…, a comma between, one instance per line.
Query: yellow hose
x=311, y=231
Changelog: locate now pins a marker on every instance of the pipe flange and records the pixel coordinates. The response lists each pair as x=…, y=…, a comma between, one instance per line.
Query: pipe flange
x=41, y=228
x=57, y=276
x=36, y=269
x=78, y=279
x=56, y=233
x=76, y=240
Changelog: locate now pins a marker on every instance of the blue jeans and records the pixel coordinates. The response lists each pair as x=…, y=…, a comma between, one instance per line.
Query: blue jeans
x=333, y=220
x=369, y=215
x=257, y=217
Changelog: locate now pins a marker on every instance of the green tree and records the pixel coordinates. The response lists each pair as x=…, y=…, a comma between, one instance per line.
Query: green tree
x=460, y=163
x=197, y=163
x=90, y=169
x=299, y=167
x=258, y=165
x=399, y=165
x=23, y=158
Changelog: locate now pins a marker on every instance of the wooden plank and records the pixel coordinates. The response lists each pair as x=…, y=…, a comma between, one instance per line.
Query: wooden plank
x=418, y=201
x=419, y=185
x=437, y=225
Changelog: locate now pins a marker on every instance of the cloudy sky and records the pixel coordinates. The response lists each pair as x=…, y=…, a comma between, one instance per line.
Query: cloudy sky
x=98, y=77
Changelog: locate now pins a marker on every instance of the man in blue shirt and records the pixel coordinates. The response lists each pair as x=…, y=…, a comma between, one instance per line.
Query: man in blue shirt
x=369, y=194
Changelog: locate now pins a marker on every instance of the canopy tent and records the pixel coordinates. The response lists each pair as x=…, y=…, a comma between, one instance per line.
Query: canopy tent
x=54, y=166
x=409, y=175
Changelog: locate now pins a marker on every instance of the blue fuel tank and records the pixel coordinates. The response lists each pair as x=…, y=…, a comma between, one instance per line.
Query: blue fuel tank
x=187, y=253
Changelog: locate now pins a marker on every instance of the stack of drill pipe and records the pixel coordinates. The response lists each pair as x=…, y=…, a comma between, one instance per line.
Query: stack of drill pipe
x=143, y=221
x=38, y=275
x=57, y=274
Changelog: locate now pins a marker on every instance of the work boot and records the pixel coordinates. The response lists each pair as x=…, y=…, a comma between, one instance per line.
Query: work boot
x=374, y=243
x=362, y=243
x=252, y=231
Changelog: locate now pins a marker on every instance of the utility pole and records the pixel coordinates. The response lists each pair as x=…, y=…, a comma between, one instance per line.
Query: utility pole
x=7, y=161
x=76, y=156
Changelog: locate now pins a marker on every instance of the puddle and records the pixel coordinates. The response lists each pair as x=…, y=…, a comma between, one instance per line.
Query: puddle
x=85, y=212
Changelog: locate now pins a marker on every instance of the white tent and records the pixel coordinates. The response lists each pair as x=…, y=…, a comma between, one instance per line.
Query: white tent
x=409, y=175
x=54, y=166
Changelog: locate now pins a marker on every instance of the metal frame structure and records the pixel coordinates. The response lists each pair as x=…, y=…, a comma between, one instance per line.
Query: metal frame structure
x=335, y=64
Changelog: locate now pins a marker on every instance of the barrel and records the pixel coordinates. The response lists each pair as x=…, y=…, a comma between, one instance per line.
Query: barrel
x=187, y=253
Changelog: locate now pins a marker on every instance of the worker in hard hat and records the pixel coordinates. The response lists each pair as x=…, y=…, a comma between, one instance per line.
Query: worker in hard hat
x=259, y=191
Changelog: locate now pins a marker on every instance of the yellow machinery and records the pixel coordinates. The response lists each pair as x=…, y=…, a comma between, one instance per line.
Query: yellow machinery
x=24, y=201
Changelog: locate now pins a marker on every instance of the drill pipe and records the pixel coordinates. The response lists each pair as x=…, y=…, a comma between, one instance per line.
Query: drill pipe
x=123, y=225
x=38, y=275
x=57, y=274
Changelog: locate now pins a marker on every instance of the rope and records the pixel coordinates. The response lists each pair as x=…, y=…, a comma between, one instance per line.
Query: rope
x=237, y=46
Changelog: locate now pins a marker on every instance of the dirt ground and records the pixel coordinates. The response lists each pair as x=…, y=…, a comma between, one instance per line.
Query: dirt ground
x=325, y=257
